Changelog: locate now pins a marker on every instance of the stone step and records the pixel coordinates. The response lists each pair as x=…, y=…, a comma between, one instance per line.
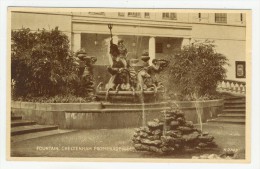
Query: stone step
x=235, y=98
x=16, y=117
x=234, y=111
x=28, y=136
x=230, y=121
x=31, y=129
x=235, y=106
x=226, y=102
x=17, y=123
x=232, y=115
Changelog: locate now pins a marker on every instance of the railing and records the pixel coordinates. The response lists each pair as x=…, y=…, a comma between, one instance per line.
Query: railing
x=232, y=86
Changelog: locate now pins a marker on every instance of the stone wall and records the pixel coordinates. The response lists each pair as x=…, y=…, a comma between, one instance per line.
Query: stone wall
x=97, y=115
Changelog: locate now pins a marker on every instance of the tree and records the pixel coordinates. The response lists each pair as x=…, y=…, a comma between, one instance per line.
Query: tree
x=41, y=63
x=196, y=69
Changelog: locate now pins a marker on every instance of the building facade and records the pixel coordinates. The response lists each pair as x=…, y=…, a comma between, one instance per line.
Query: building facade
x=158, y=33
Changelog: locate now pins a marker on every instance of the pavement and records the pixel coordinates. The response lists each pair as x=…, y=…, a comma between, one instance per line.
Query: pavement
x=116, y=143
x=19, y=138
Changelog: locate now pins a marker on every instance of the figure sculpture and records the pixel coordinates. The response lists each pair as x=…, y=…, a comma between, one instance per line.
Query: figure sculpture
x=120, y=79
x=146, y=76
x=86, y=72
x=124, y=77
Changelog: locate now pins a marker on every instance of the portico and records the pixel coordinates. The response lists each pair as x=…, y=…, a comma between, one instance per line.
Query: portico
x=155, y=38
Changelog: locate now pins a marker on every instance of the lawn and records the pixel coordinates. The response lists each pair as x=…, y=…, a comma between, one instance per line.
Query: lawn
x=116, y=143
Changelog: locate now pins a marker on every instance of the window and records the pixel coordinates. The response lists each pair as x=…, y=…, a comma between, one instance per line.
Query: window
x=199, y=15
x=159, y=48
x=242, y=17
x=172, y=16
x=221, y=18
x=134, y=14
x=121, y=14
x=147, y=15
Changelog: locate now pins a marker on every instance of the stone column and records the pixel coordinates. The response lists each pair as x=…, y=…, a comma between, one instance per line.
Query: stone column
x=185, y=41
x=76, y=43
x=151, y=49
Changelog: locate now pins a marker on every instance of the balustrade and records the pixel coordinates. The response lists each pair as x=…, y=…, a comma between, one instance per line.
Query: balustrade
x=232, y=86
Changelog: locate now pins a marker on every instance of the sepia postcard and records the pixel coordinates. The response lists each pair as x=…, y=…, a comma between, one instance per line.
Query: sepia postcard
x=129, y=85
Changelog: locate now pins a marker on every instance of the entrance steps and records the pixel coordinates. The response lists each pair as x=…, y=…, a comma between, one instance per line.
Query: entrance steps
x=20, y=126
x=17, y=123
x=234, y=111
x=16, y=117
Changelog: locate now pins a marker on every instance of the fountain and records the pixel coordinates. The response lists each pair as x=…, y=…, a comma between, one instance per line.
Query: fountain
x=128, y=82
x=132, y=87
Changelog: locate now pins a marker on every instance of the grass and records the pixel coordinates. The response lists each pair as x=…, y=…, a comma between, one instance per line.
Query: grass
x=116, y=143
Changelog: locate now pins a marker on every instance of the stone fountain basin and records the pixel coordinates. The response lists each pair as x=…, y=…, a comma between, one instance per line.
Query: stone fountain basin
x=105, y=115
x=130, y=96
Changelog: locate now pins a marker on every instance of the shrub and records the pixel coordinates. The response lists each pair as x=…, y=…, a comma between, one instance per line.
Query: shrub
x=196, y=70
x=41, y=63
x=68, y=98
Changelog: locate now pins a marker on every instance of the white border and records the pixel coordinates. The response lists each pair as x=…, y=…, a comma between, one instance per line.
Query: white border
x=213, y=4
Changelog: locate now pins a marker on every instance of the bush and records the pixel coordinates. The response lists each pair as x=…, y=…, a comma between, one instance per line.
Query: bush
x=41, y=63
x=196, y=70
x=68, y=98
